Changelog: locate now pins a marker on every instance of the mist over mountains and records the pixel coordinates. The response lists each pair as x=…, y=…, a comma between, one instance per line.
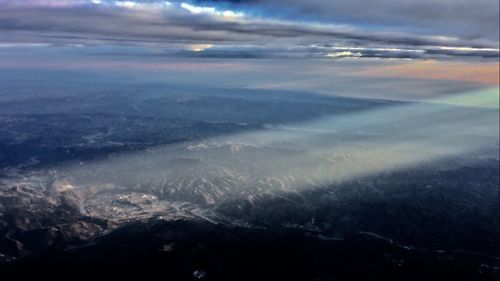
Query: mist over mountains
x=81, y=172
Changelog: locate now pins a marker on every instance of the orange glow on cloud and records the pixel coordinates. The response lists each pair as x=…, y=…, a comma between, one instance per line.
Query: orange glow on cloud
x=484, y=73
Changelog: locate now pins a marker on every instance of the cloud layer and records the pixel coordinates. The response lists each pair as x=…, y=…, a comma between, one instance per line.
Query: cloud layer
x=332, y=29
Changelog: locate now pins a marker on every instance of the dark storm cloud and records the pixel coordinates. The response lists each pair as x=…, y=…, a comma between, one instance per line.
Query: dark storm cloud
x=474, y=19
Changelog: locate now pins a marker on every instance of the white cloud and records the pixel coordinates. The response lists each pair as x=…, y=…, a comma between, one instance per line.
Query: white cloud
x=344, y=54
x=211, y=11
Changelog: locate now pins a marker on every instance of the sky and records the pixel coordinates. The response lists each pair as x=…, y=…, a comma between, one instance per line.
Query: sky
x=408, y=50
